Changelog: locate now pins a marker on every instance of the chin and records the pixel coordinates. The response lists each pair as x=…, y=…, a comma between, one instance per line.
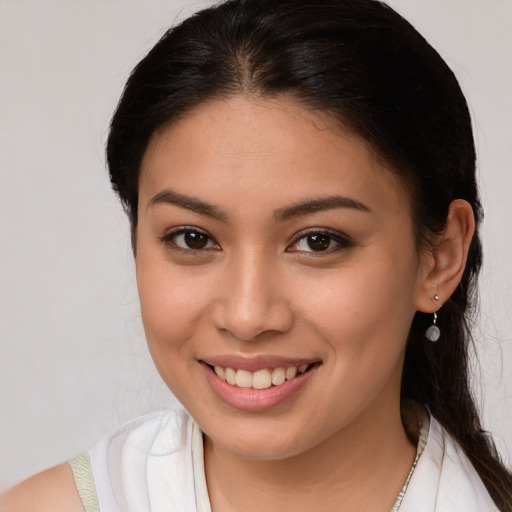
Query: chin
x=256, y=442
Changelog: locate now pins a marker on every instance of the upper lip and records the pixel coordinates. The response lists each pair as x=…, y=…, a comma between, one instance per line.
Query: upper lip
x=257, y=362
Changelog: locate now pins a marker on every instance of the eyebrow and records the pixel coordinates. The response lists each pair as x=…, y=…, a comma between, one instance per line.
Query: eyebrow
x=280, y=215
x=317, y=205
x=189, y=203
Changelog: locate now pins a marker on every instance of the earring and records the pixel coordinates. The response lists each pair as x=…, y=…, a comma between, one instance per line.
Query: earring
x=433, y=332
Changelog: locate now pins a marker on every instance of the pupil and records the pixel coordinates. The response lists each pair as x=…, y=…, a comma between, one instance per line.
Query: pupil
x=318, y=242
x=195, y=240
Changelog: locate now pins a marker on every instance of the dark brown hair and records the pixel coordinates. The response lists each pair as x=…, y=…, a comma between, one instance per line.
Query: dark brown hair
x=366, y=66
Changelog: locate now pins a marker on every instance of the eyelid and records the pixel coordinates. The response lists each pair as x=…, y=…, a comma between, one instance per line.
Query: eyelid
x=343, y=241
x=168, y=238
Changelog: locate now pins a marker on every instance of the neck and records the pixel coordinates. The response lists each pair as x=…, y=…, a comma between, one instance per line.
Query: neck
x=340, y=470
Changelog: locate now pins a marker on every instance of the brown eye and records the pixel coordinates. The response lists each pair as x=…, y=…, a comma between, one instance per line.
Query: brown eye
x=195, y=240
x=318, y=242
x=321, y=242
x=190, y=239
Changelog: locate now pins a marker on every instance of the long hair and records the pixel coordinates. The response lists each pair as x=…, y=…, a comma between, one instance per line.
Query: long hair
x=367, y=67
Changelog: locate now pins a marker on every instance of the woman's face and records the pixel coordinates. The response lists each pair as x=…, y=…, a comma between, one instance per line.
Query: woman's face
x=271, y=246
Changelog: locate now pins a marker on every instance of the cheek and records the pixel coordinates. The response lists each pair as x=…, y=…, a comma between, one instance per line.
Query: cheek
x=170, y=303
x=365, y=306
x=171, y=309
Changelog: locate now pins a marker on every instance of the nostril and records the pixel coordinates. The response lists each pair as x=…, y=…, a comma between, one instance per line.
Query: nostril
x=252, y=324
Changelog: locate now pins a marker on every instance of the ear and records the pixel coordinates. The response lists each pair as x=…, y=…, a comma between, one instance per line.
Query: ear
x=444, y=263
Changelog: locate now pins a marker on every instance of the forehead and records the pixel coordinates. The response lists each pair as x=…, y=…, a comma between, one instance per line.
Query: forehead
x=264, y=149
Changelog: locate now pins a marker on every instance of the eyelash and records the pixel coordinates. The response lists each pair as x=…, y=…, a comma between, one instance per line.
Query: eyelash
x=341, y=240
x=170, y=239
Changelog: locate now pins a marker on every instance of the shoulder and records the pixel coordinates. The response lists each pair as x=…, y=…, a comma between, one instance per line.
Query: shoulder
x=458, y=476
x=148, y=460
x=156, y=434
x=460, y=480
x=444, y=478
x=166, y=427
x=134, y=450
x=52, y=490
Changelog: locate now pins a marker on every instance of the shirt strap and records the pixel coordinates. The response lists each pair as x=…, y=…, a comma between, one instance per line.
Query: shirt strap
x=84, y=481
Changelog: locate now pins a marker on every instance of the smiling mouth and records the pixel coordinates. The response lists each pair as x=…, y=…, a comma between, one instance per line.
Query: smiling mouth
x=264, y=378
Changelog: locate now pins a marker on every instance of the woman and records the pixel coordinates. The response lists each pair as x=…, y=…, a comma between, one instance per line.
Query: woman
x=299, y=178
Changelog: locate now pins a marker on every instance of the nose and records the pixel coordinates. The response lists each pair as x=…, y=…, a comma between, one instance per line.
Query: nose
x=251, y=301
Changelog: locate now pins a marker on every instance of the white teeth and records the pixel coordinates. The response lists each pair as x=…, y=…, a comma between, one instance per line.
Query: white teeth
x=291, y=372
x=278, y=376
x=220, y=372
x=244, y=379
x=260, y=379
x=230, y=376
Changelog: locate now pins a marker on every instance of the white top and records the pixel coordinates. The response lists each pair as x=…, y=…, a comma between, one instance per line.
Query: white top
x=155, y=464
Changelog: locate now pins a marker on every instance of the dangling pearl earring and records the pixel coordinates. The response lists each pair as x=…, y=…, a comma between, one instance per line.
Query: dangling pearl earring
x=433, y=332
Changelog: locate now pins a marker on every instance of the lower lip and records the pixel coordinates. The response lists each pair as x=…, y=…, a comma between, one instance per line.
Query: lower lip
x=249, y=399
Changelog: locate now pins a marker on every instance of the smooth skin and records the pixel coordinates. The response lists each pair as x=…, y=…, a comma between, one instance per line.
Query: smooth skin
x=244, y=247
x=258, y=288
x=51, y=490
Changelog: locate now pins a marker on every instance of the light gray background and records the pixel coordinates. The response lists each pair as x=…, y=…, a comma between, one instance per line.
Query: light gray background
x=73, y=362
